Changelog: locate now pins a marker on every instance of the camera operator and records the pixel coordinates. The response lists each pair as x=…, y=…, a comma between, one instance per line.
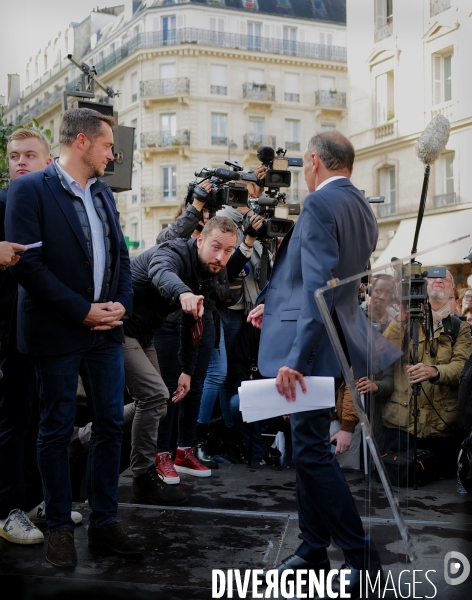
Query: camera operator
x=441, y=362
x=232, y=319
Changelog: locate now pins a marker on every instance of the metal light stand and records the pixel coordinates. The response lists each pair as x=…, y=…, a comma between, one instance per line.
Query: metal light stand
x=89, y=79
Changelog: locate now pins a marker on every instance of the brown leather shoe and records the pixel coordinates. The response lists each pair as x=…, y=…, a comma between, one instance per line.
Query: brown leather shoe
x=61, y=549
x=114, y=538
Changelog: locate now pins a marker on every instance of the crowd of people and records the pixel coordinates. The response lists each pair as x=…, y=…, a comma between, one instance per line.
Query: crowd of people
x=182, y=325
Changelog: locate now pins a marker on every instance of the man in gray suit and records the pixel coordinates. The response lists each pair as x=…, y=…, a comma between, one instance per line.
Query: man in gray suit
x=333, y=238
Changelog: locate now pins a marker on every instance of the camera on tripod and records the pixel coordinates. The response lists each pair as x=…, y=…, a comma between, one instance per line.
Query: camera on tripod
x=273, y=227
x=414, y=286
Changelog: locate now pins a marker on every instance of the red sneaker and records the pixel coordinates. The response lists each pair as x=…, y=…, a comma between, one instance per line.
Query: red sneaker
x=165, y=468
x=187, y=462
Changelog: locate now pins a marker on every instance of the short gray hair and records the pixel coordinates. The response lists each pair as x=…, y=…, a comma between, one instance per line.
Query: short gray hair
x=334, y=150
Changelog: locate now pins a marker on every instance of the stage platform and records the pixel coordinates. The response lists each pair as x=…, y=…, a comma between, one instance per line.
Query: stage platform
x=241, y=518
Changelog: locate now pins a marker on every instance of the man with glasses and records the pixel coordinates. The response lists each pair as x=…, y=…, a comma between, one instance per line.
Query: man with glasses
x=467, y=300
x=442, y=354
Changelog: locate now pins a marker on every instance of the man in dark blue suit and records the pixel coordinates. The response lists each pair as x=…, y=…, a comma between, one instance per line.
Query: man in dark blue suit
x=333, y=238
x=73, y=293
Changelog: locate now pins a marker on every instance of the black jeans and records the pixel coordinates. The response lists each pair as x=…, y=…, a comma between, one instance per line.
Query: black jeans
x=20, y=482
x=167, y=343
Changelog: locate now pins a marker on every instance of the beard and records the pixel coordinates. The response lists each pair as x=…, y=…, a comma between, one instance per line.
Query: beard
x=206, y=270
x=92, y=169
x=437, y=296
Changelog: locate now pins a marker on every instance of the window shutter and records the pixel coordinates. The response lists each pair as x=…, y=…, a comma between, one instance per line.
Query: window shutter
x=329, y=39
x=380, y=13
x=447, y=78
x=381, y=98
x=437, y=83
x=242, y=27
x=267, y=31
x=181, y=21
x=278, y=32
x=155, y=24
x=322, y=38
x=221, y=25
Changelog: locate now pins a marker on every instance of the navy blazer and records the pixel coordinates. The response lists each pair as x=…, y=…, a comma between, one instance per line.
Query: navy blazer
x=333, y=237
x=56, y=281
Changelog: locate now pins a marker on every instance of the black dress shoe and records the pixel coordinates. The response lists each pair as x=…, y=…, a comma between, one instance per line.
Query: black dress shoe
x=208, y=460
x=113, y=537
x=61, y=549
x=296, y=563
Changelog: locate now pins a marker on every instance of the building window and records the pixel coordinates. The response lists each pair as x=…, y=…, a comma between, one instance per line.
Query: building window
x=217, y=24
x=383, y=19
x=445, y=181
x=387, y=187
x=289, y=40
x=168, y=30
x=328, y=126
x=326, y=38
x=449, y=172
x=292, y=87
x=169, y=183
x=134, y=231
x=134, y=199
x=168, y=129
x=292, y=134
x=218, y=129
x=328, y=84
x=218, y=83
x=134, y=87
x=442, y=78
x=256, y=133
x=384, y=97
x=134, y=125
x=167, y=71
x=254, y=35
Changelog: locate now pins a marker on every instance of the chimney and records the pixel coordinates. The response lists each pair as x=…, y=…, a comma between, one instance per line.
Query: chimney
x=14, y=92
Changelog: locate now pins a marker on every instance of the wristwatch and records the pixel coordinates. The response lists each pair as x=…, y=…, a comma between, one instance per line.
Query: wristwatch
x=437, y=378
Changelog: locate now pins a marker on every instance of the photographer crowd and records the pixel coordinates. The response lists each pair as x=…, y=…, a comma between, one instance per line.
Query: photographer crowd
x=179, y=327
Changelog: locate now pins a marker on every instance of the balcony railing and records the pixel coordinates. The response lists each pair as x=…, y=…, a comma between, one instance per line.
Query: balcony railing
x=384, y=31
x=384, y=130
x=219, y=141
x=385, y=210
x=221, y=40
x=444, y=200
x=327, y=99
x=292, y=145
x=255, y=141
x=165, y=139
x=161, y=194
x=256, y=91
x=156, y=88
x=291, y=97
x=220, y=90
x=439, y=6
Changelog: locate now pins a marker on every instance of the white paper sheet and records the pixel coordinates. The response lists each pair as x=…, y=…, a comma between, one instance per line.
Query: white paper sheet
x=261, y=400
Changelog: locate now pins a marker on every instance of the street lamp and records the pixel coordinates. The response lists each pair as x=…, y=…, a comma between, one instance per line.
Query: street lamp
x=231, y=145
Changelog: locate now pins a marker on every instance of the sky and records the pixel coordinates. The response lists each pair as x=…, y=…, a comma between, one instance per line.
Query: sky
x=28, y=25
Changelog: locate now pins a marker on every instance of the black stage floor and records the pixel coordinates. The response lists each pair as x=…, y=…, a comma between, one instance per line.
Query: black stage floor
x=242, y=518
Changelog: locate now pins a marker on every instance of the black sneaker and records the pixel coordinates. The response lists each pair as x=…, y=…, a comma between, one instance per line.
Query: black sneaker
x=113, y=537
x=150, y=489
x=61, y=549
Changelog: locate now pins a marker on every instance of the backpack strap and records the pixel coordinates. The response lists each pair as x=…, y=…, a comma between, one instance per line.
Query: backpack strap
x=452, y=326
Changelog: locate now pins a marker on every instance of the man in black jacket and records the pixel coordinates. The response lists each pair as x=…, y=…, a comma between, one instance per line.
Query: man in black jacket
x=176, y=274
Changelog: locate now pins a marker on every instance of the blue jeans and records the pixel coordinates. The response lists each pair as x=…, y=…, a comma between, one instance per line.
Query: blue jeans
x=259, y=447
x=232, y=321
x=102, y=370
x=214, y=380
